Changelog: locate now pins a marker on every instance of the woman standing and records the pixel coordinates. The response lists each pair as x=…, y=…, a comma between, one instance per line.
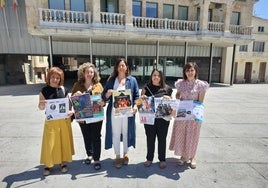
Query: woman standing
x=57, y=144
x=158, y=88
x=185, y=133
x=120, y=125
x=89, y=82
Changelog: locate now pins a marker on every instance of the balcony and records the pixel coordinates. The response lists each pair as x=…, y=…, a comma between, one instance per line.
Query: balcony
x=52, y=18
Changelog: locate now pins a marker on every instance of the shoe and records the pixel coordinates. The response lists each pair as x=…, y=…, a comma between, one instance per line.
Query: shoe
x=63, y=168
x=97, y=166
x=125, y=160
x=193, y=164
x=88, y=160
x=46, y=171
x=147, y=163
x=181, y=161
x=118, y=163
x=162, y=164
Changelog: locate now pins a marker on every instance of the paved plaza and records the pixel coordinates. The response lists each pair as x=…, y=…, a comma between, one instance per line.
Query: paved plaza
x=232, y=151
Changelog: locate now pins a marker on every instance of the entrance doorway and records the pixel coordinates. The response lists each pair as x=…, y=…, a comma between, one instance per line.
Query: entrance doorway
x=248, y=71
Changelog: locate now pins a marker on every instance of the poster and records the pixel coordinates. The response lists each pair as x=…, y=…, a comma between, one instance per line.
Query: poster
x=165, y=108
x=146, y=110
x=185, y=110
x=82, y=107
x=98, y=111
x=57, y=108
x=122, y=103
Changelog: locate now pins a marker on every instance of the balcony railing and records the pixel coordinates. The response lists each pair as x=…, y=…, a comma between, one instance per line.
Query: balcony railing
x=241, y=30
x=167, y=24
x=76, y=19
x=64, y=18
x=112, y=18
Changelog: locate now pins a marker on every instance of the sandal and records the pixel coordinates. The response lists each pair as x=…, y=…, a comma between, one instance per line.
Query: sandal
x=46, y=171
x=125, y=160
x=63, y=168
x=97, y=166
x=118, y=163
x=88, y=160
x=147, y=163
x=193, y=164
x=181, y=161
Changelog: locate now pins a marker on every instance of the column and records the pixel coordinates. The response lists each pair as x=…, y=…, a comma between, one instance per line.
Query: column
x=128, y=14
x=96, y=19
x=204, y=15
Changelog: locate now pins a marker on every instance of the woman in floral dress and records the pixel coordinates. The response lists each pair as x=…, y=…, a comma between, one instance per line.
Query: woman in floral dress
x=185, y=133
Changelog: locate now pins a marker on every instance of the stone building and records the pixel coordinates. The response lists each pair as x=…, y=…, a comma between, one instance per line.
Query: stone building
x=161, y=34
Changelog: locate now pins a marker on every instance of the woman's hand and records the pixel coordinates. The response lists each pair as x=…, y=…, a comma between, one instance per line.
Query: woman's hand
x=109, y=93
x=166, y=97
x=42, y=104
x=77, y=94
x=134, y=109
x=102, y=103
x=70, y=113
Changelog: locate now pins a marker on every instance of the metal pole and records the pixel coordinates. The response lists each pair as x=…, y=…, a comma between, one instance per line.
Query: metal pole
x=50, y=51
x=233, y=63
x=90, y=50
x=157, y=53
x=185, y=52
x=210, y=63
x=126, y=50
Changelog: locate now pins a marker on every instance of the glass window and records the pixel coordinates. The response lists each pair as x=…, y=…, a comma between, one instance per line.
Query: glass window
x=168, y=11
x=109, y=6
x=136, y=8
x=183, y=13
x=260, y=29
x=151, y=10
x=235, y=18
x=243, y=48
x=258, y=46
x=77, y=5
x=210, y=15
x=56, y=4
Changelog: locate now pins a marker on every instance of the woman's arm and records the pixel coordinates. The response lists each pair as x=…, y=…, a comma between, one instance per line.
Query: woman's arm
x=42, y=102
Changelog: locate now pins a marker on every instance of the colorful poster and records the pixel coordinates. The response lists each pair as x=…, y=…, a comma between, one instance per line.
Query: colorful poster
x=82, y=107
x=122, y=103
x=146, y=110
x=185, y=110
x=198, y=111
x=57, y=108
x=98, y=111
x=165, y=108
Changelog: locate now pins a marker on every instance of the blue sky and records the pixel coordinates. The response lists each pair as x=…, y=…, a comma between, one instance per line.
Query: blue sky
x=260, y=9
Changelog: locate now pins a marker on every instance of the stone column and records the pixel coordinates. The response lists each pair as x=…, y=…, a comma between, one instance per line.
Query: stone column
x=227, y=16
x=204, y=15
x=96, y=19
x=128, y=14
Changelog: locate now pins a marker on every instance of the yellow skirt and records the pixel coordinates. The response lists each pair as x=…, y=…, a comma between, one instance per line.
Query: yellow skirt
x=57, y=144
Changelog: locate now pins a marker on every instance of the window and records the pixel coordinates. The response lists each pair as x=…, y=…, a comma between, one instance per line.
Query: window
x=258, y=46
x=56, y=4
x=77, y=5
x=260, y=29
x=136, y=8
x=183, y=13
x=151, y=10
x=235, y=18
x=243, y=48
x=210, y=15
x=168, y=11
x=109, y=6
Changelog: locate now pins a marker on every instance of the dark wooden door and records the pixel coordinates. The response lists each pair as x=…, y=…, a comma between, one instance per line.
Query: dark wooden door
x=248, y=71
x=262, y=71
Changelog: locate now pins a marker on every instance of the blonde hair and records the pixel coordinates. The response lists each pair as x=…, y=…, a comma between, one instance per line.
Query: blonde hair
x=81, y=73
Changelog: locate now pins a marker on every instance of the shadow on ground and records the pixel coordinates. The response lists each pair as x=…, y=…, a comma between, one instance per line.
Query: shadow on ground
x=78, y=170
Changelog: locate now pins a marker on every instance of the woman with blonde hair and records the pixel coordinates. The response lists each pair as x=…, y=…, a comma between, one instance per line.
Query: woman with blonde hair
x=89, y=82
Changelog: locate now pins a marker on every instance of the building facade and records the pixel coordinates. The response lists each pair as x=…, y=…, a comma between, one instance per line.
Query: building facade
x=163, y=34
x=251, y=59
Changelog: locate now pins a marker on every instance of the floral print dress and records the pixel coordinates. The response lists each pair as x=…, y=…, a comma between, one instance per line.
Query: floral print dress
x=185, y=133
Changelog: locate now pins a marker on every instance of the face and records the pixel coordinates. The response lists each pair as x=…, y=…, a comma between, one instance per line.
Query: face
x=156, y=78
x=122, y=68
x=190, y=73
x=89, y=74
x=54, y=80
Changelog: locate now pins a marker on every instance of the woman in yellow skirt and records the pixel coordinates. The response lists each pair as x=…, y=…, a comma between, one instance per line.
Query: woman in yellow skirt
x=57, y=143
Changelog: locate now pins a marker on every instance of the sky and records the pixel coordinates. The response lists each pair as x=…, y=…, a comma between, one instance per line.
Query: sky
x=260, y=9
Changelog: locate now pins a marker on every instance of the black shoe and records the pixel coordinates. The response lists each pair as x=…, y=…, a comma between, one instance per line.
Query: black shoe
x=88, y=160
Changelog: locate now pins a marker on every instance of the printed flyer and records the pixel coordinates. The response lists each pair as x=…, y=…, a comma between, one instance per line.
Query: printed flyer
x=146, y=110
x=122, y=103
x=165, y=108
x=185, y=110
x=57, y=108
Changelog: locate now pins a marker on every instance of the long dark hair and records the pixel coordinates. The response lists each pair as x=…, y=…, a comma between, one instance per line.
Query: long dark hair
x=189, y=65
x=115, y=72
x=162, y=79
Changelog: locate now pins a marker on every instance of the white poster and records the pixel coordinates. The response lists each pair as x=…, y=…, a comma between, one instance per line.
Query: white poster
x=57, y=108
